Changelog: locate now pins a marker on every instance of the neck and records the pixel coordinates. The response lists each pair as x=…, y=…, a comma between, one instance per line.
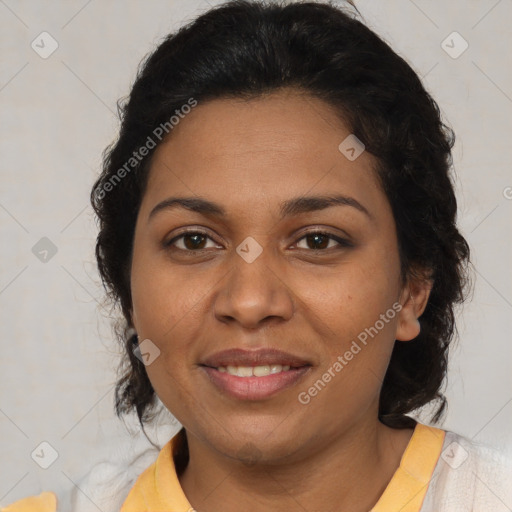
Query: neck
x=349, y=471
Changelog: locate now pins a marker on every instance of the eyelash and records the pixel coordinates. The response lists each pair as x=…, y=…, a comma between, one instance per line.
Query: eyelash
x=343, y=243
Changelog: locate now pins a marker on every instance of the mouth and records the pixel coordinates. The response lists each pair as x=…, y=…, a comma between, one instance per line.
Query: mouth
x=254, y=371
x=254, y=375
x=243, y=383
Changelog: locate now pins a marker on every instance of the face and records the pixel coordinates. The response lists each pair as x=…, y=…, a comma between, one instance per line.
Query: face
x=268, y=275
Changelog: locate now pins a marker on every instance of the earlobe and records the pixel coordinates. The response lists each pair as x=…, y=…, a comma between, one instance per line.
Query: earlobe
x=408, y=325
x=416, y=295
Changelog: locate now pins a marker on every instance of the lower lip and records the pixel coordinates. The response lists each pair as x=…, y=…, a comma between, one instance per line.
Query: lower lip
x=255, y=388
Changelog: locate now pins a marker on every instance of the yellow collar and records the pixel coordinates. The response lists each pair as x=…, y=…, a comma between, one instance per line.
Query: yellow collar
x=158, y=489
x=408, y=486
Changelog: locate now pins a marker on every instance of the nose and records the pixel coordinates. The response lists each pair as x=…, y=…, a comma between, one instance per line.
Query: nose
x=254, y=294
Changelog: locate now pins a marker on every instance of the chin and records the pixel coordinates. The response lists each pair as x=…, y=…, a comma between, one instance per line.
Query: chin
x=257, y=447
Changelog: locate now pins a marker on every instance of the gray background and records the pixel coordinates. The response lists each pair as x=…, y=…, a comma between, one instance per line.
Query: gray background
x=57, y=115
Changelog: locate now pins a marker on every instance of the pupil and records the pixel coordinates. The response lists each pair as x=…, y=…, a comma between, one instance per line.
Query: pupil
x=196, y=243
x=316, y=237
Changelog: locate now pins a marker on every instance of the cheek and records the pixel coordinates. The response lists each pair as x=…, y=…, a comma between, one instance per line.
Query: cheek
x=361, y=335
x=360, y=309
x=164, y=299
x=171, y=309
x=166, y=307
x=354, y=298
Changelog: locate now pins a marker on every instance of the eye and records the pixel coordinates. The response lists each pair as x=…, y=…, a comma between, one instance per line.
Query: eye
x=192, y=241
x=320, y=240
x=195, y=241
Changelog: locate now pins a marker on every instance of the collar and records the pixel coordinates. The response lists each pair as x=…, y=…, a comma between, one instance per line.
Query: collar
x=158, y=489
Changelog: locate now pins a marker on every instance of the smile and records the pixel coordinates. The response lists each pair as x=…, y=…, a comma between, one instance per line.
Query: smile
x=254, y=371
x=254, y=382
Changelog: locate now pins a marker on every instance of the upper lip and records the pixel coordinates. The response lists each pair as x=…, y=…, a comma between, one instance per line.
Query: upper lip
x=259, y=357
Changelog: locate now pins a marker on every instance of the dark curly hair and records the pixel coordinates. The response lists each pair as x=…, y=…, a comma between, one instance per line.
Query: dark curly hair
x=245, y=49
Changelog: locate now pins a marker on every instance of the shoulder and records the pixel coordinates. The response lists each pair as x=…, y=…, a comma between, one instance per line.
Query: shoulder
x=104, y=487
x=108, y=483
x=44, y=502
x=470, y=475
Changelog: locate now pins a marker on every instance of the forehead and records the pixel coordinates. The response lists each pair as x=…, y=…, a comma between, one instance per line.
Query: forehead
x=241, y=153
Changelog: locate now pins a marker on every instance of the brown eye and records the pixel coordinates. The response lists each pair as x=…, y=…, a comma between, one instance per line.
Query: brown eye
x=189, y=241
x=318, y=240
x=194, y=241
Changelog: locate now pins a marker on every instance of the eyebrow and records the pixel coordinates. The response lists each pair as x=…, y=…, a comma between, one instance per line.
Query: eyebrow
x=288, y=208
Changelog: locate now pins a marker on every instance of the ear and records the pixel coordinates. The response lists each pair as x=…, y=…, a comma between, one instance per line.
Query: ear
x=414, y=298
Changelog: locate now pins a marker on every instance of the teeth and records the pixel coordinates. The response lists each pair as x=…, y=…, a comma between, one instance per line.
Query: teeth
x=261, y=371
x=254, y=371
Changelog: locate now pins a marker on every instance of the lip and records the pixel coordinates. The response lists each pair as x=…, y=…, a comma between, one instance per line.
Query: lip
x=263, y=356
x=254, y=388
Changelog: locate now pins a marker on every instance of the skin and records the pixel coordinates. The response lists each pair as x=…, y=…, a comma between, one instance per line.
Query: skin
x=272, y=454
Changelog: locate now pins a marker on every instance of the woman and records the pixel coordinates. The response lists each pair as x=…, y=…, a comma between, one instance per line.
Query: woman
x=277, y=224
